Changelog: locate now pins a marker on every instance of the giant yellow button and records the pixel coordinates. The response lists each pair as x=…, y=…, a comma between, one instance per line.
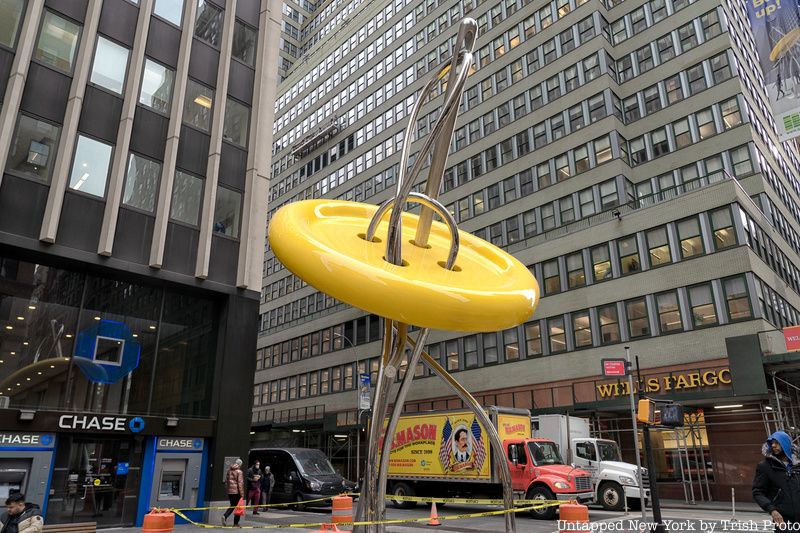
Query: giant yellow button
x=323, y=242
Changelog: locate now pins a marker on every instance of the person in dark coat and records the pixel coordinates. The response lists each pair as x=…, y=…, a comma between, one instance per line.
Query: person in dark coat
x=776, y=486
x=21, y=517
x=267, y=482
x=254, y=485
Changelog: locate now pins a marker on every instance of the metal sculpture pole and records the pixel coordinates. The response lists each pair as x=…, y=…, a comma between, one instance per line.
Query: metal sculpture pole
x=372, y=505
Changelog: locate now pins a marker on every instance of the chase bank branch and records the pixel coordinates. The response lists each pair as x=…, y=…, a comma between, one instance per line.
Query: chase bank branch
x=132, y=221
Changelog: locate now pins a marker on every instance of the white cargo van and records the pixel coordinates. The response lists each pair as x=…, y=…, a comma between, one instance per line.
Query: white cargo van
x=613, y=480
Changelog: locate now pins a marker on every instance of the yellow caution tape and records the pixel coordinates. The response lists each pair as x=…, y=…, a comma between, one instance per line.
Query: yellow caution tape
x=368, y=523
x=259, y=506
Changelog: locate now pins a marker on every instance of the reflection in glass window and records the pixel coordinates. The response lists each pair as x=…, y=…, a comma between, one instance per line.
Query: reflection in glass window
x=187, y=191
x=690, y=237
x=33, y=148
x=170, y=10
x=609, y=324
x=737, y=299
x=110, y=65
x=722, y=226
x=90, y=167
x=58, y=42
x=490, y=354
x=601, y=263
x=552, y=281
x=511, y=344
x=141, y=183
x=702, y=302
x=237, y=121
x=244, y=44
x=156, y=91
x=575, y=274
x=197, y=105
x=533, y=339
x=658, y=246
x=629, y=255
x=669, y=313
x=638, y=322
x=208, y=23
x=10, y=15
x=582, y=329
x=227, y=212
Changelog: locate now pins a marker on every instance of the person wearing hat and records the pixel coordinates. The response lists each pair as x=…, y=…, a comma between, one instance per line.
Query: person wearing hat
x=267, y=482
x=234, y=485
x=776, y=486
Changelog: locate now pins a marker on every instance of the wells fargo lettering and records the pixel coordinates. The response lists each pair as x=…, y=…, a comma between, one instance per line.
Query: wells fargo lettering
x=665, y=384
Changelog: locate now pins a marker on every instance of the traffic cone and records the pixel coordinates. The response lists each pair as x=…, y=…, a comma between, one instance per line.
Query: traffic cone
x=434, y=521
x=328, y=527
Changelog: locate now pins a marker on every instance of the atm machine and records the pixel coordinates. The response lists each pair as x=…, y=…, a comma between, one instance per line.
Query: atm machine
x=176, y=475
x=26, y=465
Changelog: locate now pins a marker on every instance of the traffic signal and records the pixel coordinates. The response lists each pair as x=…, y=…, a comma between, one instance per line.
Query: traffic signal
x=672, y=415
x=646, y=412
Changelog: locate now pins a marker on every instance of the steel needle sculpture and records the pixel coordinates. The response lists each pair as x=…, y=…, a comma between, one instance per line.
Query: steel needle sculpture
x=336, y=246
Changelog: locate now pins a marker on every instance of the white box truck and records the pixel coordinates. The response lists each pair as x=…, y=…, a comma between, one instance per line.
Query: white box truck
x=613, y=480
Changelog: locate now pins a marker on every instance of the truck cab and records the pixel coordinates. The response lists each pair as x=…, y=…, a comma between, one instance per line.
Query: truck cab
x=538, y=473
x=614, y=480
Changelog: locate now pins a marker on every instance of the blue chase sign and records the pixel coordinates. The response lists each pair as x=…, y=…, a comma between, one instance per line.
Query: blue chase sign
x=106, y=352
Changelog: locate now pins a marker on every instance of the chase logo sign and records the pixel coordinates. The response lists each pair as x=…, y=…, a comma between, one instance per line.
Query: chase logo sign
x=106, y=352
x=188, y=444
x=101, y=423
x=26, y=440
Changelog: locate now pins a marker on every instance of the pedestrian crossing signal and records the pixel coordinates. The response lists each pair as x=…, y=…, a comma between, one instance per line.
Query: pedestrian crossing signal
x=646, y=412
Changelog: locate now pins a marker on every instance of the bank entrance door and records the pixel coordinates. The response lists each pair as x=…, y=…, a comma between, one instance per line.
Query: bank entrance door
x=96, y=479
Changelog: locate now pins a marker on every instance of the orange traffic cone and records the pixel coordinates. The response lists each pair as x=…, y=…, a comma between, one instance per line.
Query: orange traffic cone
x=328, y=527
x=434, y=521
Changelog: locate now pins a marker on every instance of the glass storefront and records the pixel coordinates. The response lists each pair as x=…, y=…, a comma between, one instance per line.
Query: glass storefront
x=74, y=341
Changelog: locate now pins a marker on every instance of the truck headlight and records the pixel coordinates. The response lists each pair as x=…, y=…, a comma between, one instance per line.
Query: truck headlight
x=314, y=485
x=625, y=480
x=561, y=485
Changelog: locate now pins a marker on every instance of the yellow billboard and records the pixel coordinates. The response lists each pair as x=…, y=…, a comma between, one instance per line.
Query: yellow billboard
x=513, y=426
x=443, y=445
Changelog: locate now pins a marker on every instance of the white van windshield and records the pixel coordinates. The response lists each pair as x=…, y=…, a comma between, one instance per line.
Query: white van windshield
x=314, y=464
x=609, y=451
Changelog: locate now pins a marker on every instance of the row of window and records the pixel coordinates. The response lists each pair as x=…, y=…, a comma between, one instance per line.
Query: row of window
x=774, y=308
x=32, y=154
x=776, y=219
x=703, y=305
x=770, y=252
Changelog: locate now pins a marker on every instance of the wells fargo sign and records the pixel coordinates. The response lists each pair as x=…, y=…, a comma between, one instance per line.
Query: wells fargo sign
x=700, y=379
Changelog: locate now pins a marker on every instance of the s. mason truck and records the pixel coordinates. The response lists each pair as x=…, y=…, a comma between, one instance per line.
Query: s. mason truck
x=613, y=479
x=448, y=454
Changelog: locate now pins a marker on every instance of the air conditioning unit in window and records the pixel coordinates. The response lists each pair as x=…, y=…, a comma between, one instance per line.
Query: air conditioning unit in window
x=5, y=402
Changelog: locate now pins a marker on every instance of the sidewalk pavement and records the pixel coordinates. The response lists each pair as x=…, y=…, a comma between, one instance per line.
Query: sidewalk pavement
x=744, y=507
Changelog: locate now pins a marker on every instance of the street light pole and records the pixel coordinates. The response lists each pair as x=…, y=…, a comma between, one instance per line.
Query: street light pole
x=635, y=434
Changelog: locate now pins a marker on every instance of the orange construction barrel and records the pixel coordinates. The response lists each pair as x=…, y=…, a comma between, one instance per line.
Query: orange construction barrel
x=572, y=513
x=158, y=521
x=342, y=509
x=327, y=527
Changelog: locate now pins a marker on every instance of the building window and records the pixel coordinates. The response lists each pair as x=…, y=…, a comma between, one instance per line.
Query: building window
x=90, y=167
x=701, y=301
x=33, y=149
x=533, y=339
x=576, y=277
x=197, y=105
x=10, y=15
x=736, y=299
x=227, y=212
x=602, y=150
x=731, y=116
x=451, y=352
x=237, y=122
x=682, y=132
x=601, y=263
x=669, y=312
x=638, y=321
x=658, y=247
x=110, y=65
x=582, y=329
x=690, y=237
x=208, y=23
x=471, y=351
x=141, y=183
x=705, y=123
x=156, y=92
x=609, y=324
x=244, y=44
x=629, y=255
x=169, y=10
x=511, y=344
x=722, y=226
x=57, y=43
x=490, y=353
x=552, y=280
x=557, y=334
x=187, y=196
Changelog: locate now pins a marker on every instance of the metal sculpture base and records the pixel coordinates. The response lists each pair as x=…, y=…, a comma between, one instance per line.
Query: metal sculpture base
x=396, y=342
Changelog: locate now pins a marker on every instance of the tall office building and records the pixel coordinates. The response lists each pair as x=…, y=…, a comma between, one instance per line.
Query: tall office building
x=624, y=152
x=132, y=201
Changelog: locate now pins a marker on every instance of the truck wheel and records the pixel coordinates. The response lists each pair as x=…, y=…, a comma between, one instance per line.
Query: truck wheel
x=542, y=493
x=403, y=489
x=612, y=496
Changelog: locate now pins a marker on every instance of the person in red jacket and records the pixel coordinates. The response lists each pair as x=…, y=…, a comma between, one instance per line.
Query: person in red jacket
x=234, y=484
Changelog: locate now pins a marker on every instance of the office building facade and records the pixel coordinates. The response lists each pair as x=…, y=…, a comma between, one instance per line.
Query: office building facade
x=132, y=201
x=622, y=151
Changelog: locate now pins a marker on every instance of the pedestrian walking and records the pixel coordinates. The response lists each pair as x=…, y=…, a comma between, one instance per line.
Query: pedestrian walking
x=267, y=482
x=776, y=486
x=21, y=517
x=254, y=485
x=234, y=486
